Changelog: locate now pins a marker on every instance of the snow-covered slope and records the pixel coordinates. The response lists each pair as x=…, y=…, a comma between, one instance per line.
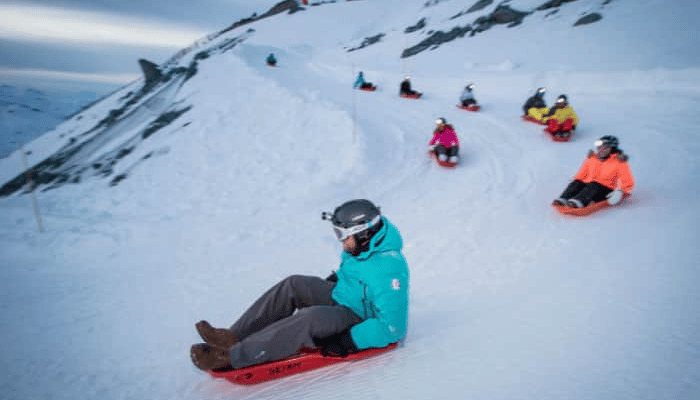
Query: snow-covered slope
x=186, y=198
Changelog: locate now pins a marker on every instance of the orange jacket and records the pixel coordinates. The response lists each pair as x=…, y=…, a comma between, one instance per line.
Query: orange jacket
x=607, y=172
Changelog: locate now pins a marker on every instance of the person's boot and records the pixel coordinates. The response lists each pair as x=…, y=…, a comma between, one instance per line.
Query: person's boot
x=207, y=357
x=219, y=337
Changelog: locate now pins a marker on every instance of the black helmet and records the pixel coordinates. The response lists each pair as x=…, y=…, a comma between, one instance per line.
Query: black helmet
x=440, y=121
x=469, y=87
x=608, y=140
x=354, y=217
x=562, y=99
x=540, y=91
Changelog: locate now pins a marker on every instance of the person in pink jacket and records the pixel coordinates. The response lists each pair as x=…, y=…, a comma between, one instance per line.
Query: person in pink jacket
x=445, y=143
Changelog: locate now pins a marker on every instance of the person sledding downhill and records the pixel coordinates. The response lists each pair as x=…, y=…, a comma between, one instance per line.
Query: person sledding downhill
x=360, y=83
x=271, y=61
x=405, y=89
x=445, y=143
x=535, y=107
x=604, y=175
x=362, y=305
x=467, y=99
x=561, y=119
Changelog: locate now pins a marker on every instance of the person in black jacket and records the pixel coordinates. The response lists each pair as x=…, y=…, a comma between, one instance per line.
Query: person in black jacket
x=535, y=106
x=406, y=87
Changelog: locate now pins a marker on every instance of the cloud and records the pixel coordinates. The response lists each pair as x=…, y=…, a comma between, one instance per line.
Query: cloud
x=59, y=25
x=69, y=76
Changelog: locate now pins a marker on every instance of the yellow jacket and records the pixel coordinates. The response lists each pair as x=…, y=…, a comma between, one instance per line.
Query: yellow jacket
x=561, y=114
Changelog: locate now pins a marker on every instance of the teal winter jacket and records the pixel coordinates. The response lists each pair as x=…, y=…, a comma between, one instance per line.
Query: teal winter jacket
x=374, y=284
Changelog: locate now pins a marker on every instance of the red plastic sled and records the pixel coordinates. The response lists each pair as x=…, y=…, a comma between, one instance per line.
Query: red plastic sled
x=559, y=138
x=411, y=96
x=305, y=361
x=531, y=119
x=445, y=164
x=471, y=107
x=590, y=209
x=369, y=89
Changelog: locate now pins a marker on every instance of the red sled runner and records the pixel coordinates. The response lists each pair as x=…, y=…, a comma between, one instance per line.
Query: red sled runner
x=445, y=163
x=305, y=361
x=589, y=209
x=411, y=96
x=369, y=89
x=471, y=107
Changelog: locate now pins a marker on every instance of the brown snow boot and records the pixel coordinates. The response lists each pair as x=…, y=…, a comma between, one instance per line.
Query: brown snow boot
x=219, y=337
x=207, y=357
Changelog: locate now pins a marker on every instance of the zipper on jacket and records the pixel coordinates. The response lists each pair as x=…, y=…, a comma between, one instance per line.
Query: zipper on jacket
x=364, y=299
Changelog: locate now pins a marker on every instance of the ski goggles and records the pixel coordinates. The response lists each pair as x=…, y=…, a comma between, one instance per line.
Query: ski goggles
x=561, y=101
x=344, y=233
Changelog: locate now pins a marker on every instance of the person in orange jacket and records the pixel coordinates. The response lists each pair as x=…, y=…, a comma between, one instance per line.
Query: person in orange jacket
x=599, y=176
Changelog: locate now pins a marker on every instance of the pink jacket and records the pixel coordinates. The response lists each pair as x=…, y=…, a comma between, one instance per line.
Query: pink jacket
x=447, y=138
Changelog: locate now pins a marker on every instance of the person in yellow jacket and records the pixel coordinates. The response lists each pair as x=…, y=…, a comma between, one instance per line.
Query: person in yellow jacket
x=604, y=171
x=561, y=119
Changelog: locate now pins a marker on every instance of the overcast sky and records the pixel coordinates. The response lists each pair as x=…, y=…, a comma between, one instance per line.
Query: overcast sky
x=102, y=40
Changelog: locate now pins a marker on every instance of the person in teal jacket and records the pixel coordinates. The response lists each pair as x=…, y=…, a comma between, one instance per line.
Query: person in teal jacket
x=361, y=83
x=363, y=304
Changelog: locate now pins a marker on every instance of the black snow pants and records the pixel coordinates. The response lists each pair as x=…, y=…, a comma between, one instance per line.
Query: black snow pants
x=585, y=192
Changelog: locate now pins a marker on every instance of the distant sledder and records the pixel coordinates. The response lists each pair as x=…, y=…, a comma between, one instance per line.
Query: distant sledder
x=406, y=91
x=444, y=145
x=535, y=107
x=604, y=179
x=467, y=100
x=361, y=84
x=561, y=120
x=271, y=61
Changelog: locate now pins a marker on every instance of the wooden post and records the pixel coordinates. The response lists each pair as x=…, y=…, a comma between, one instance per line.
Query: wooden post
x=30, y=181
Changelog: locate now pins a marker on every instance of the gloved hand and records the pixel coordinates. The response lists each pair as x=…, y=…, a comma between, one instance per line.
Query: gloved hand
x=339, y=345
x=332, y=277
x=615, y=197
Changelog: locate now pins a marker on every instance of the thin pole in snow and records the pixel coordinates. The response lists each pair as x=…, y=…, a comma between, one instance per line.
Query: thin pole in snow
x=35, y=203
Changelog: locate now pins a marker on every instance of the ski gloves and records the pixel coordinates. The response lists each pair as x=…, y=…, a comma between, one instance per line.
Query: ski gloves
x=338, y=345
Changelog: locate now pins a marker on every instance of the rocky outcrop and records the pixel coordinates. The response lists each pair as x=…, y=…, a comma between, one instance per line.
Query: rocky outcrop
x=368, y=41
x=418, y=26
x=151, y=73
x=501, y=15
x=588, y=19
x=552, y=4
